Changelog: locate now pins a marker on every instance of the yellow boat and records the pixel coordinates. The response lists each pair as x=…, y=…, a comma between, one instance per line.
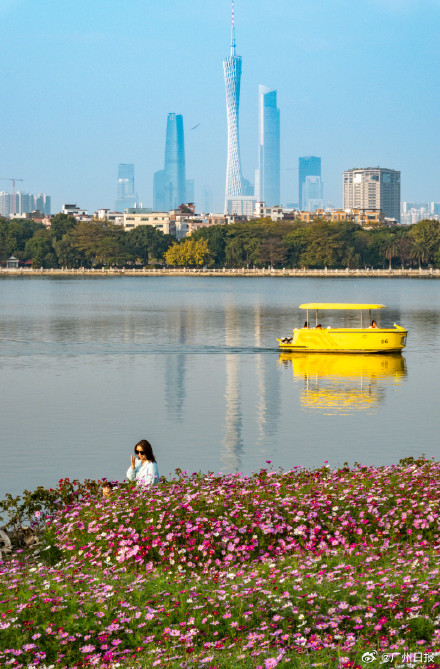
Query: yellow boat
x=370, y=339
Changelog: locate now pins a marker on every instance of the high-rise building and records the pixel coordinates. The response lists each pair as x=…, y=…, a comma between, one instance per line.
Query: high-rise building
x=189, y=196
x=43, y=203
x=312, y=194
x=126, y=196
x=25, y=203
x=5, y=204
x=267, y=176
x=174, y=169
x=232, y=72
x=373, y=189
x=159, y=191
x=309, y=166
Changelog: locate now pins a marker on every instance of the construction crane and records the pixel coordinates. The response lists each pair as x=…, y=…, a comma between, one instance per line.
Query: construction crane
x=14, y=202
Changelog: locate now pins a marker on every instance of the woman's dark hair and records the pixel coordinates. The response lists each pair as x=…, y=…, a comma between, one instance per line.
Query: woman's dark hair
x=147, y=449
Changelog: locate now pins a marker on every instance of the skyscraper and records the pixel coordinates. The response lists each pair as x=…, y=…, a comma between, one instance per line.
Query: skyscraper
x=309, y=166
x=267, y=176
x=126, y=197
x=174, y=169
x=373, y=188
x=158, y=191
x=312, y=194
x=232, y=72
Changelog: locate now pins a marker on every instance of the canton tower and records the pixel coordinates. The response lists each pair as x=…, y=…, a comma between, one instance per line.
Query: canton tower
x=232, y=70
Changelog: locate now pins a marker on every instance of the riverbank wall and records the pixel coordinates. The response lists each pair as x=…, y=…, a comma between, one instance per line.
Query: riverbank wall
x=237, y=272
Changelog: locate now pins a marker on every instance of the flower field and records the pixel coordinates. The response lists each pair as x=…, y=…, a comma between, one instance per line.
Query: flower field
x=300, y=568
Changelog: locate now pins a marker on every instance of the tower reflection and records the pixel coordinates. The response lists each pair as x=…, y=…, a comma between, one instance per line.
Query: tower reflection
x=344, y=384
x=233, y=440
x=268, y=386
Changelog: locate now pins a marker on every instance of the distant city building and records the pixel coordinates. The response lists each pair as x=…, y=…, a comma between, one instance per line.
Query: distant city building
x=267, y=176
x=159, y=190
x=126, y=196
x=207, y=199
x=174, y=169
x=374, y=189
x=75, y=211
x=25, y=203
x=242, y=205
x=366, y=218
x=232, y=72
x=107, y=215
x=274, y=213
x=413, y=212
x=309, y=166
x=312, y=194
x=142, y=216
x=169, y=184
x=189, y=191
x=43, y=203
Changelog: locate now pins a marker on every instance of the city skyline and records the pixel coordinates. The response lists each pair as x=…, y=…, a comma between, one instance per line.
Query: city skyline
x=354, y=101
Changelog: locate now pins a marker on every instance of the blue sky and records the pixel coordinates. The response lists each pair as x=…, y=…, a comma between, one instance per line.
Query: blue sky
x=88, y=84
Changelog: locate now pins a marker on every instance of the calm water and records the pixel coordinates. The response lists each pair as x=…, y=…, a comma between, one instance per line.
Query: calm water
x=90, y=366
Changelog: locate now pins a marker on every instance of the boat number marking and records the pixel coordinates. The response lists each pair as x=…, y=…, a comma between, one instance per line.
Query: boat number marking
x=384, y=341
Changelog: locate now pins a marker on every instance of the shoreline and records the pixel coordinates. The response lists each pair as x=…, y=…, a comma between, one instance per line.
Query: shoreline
x=296, y=273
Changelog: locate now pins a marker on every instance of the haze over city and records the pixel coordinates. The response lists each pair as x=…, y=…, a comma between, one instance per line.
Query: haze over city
x=88, y=86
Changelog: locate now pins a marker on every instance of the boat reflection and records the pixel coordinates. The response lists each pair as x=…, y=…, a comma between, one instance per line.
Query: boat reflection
x=344, y=384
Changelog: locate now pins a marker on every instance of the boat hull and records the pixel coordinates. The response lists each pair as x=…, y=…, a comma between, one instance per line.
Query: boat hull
x=346, y=340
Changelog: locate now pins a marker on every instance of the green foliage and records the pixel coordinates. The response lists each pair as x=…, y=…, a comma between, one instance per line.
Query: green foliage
x=146, y=243
x=40, y=250
x=14, y=235
x=261, y=243
x=216, y=236
x=33, y=508
x=61, y=224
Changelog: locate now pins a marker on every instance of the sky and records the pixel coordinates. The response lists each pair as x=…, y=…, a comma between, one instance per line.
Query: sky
x=88, y=84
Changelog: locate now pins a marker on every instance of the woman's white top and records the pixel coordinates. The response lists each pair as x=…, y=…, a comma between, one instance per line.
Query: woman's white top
x=147, y=473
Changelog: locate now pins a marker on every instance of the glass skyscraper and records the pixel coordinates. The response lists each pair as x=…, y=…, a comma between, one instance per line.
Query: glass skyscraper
x=267, y=181
x=126, y=197
x=309, y=166
x=232, y=72
x=174, y=169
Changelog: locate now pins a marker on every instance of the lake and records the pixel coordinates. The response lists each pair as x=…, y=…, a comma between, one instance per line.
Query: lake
x=89, y=366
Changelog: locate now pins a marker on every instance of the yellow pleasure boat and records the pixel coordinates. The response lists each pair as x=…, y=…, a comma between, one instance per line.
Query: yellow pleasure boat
x=364, y=339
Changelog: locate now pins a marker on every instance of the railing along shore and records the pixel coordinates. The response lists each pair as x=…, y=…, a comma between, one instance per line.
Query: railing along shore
x=242, y=271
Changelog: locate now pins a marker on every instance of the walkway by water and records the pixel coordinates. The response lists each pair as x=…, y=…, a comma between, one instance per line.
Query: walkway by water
x=242, y=271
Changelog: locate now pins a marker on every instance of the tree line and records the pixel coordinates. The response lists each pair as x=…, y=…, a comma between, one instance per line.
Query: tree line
x=261, y=243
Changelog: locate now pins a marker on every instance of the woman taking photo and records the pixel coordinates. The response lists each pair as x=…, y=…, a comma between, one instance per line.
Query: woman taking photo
x=143, y=468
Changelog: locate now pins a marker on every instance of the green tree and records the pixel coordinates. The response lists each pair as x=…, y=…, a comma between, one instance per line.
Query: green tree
x=216, y=236
x=19, y=231
x=146, y=243
x=39, y=249
x=426, y=240
x=101, y=242
x=272, y=252
x=61, y=224
x=68, y=255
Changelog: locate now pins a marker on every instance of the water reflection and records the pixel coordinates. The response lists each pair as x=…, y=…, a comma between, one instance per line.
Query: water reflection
x=344, y=384
x=268, y=385
x=233, y=440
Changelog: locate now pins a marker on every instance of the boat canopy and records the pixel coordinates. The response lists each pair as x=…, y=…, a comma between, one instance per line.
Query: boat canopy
x=340, y=305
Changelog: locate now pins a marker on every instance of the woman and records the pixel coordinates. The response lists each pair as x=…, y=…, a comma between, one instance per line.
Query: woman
x=143, y=468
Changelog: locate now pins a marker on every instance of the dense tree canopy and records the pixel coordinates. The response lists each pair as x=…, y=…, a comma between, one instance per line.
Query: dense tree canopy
x=260, y=243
